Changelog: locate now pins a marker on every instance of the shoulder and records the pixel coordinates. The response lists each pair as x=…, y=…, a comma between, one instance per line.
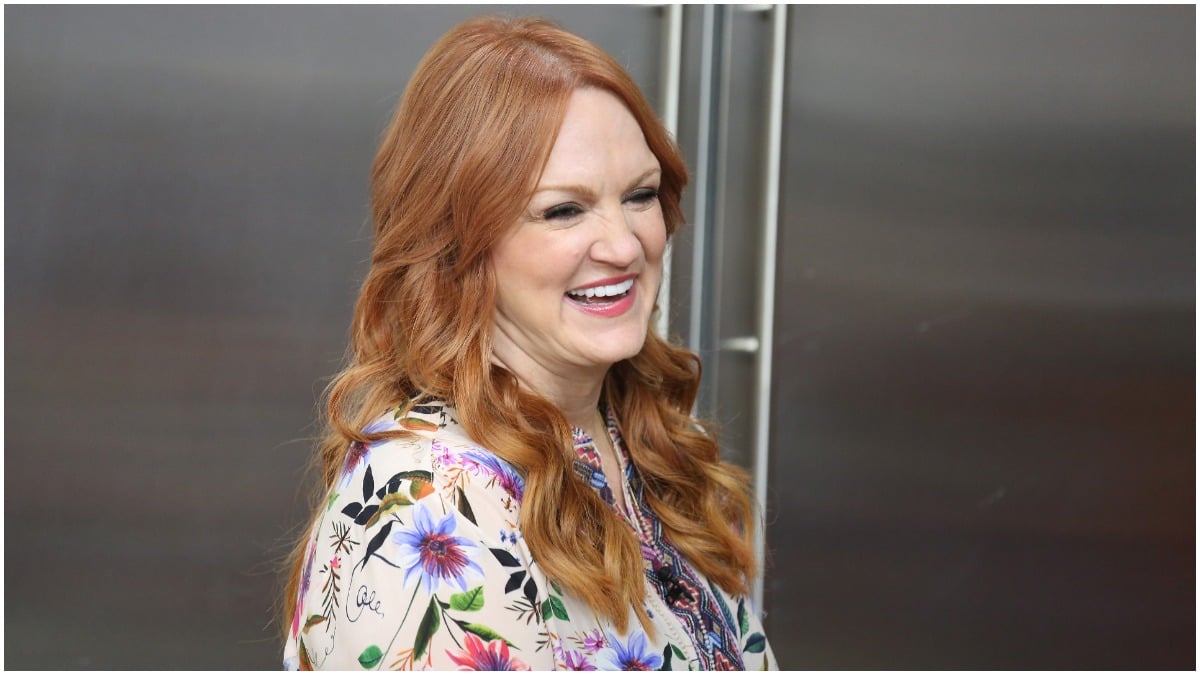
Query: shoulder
x=416, y=545
x=433, y=456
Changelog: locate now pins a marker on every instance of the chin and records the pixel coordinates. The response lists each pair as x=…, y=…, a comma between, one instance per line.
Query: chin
x=627, y=349
x=617, y=343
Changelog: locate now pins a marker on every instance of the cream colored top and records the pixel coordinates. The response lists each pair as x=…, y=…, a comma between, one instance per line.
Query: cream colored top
x=417, y=563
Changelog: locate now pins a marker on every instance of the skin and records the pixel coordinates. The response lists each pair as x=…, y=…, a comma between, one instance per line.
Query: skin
x=594, y=215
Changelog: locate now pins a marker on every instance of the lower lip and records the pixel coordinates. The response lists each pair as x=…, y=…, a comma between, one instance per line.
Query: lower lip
x=609, y=309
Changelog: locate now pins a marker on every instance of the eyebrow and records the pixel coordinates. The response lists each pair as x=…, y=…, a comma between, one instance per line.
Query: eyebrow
x=585, y=191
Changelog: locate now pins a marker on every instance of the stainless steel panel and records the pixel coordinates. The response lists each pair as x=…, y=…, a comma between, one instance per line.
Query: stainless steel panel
x=729, y=209
x=185, y=204
x=732, y=209
x=984, y=419
x=740, y=231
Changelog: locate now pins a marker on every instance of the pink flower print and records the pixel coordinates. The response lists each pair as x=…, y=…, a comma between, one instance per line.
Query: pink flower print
x=296, y=620
x=492, y=656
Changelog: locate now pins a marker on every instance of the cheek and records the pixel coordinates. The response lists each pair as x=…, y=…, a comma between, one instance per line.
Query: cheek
x=534, y=265
x=510, y=267
x=653, y=236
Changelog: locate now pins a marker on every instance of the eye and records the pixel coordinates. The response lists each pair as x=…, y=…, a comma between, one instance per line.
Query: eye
x=562, y=211
x=643, y=196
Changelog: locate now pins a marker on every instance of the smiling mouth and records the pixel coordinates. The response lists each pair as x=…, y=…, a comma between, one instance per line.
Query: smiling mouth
x=599, y=295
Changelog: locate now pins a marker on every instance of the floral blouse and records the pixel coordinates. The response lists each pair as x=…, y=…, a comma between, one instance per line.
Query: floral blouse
x=417, y=563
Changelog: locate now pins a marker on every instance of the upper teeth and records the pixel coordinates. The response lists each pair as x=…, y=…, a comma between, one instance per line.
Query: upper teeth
x=603, y=291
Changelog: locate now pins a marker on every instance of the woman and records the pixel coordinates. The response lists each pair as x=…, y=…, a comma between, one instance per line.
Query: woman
x=513, y=479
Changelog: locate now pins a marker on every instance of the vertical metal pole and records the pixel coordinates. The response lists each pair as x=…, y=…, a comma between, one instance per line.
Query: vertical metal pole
x=703, y=147
x=766, y=305
x=702, y=321
x=672, y=61
x=714, y=280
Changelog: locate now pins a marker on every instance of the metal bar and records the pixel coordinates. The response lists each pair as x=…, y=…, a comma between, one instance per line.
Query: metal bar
x=766, y=305
x=714, y=281
x=703, y=148
x=714, y=66
x=672, y=62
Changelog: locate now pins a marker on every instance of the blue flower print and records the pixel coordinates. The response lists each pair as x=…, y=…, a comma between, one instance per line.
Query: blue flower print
x=429, y=552
x=378, y=425
x=491, y=465
x=633, y=655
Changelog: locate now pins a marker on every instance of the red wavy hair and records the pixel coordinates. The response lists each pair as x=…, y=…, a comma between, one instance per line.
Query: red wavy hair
x=456, y=168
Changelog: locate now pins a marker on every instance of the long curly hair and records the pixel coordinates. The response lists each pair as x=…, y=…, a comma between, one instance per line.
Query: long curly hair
x=456, y=168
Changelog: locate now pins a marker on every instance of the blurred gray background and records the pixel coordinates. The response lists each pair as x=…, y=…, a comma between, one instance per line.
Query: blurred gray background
x=983, y=420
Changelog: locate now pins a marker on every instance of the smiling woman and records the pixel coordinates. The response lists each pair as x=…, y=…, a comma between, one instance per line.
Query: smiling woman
x=512, y=478
x=578, y=275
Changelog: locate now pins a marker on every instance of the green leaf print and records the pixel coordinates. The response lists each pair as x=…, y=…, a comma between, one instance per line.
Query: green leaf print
x=470, y=601
x=417, y=424
x=756, y=643
x=743, y=617
x=417, y=475
x=389, y=504
x=678, y=651
x=370, y=657
x=556, y=605
x=430, y=623
x=313, y=620
x=483, y=631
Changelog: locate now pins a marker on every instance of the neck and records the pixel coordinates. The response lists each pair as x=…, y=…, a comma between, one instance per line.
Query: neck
x=579, y=400
x=575, y=392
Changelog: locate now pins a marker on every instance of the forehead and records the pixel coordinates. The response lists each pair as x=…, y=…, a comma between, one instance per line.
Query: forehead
x=598, y=136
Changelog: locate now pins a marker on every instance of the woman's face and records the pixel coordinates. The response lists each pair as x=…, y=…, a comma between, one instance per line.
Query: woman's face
x=578, y=275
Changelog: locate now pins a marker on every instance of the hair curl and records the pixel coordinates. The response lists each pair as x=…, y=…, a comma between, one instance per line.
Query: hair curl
x=455, y=169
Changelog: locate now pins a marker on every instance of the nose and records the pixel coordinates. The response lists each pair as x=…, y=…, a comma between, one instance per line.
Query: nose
x=616, y=243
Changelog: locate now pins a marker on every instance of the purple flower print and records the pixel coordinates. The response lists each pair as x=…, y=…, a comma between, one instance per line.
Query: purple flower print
x=594, y=641
x=378, y=425
x=430, y=552
x=359, y=452
x=573, y=660
x=441, y=453
x=633, y=655
x=504, y=474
